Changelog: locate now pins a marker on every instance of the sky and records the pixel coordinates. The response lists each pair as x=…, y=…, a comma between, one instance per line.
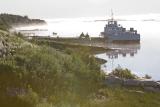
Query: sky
x=78, y=8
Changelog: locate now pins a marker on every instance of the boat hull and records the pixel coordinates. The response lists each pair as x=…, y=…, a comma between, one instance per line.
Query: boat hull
x=122, y=37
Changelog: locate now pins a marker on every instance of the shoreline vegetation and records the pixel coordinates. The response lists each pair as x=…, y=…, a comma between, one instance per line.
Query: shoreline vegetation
x=45, y=73
x=9, y=21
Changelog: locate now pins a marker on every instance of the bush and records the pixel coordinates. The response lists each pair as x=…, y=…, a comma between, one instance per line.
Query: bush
x=30, y=97
x=67, y=76
x=123, y=73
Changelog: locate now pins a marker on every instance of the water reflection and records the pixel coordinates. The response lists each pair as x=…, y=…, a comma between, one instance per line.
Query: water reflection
x=120, y=52
x=122, y=49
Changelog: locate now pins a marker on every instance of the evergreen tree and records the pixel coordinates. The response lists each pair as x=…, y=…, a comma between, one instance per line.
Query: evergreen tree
x=87, y=36
x=82, y=35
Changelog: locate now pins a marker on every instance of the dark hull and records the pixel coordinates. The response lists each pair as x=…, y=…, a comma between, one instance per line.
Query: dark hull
x=125, y=41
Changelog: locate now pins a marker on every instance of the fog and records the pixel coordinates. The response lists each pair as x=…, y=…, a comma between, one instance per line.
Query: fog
x=78, y=8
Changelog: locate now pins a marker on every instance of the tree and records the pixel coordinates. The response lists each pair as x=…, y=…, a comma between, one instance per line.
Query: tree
x=82, y=35
x=147, y=76
x=26, y=17
x=87, y=36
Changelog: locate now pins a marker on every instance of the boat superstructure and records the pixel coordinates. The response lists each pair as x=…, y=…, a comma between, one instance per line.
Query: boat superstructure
x=115, y=32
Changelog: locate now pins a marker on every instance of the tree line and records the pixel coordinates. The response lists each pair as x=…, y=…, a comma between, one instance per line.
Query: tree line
x=8, y=21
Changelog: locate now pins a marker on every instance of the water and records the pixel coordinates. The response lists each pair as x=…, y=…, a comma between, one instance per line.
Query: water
x=143, y=58
x=146, y=57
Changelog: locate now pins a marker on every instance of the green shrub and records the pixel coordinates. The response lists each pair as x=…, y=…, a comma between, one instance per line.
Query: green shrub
x=30, y=97
x=123, y=73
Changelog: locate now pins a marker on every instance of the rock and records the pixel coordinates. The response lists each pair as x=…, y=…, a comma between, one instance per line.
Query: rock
x=112, y=80
x=16, y=91
x=132, y=82
x=151, y=89
x=150, y=84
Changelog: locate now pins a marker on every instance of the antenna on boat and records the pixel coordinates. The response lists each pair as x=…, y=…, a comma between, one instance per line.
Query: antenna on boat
x=112, y=15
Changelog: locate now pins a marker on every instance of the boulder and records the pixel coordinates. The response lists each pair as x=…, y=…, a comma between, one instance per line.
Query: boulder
x=151, y=89
x=113, y=80
x=132, y=82
x=150, y=84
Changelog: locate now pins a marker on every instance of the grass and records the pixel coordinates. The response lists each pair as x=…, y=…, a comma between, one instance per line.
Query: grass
x=122, y=97
x=62, y=45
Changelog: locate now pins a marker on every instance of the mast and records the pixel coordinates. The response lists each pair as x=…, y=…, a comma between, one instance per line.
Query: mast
x=112, y=15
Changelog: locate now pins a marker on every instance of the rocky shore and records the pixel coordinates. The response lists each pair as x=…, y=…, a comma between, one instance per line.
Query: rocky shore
x=147, y=85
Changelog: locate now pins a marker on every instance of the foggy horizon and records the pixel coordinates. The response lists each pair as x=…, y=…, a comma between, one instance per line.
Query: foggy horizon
x=78, y=8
